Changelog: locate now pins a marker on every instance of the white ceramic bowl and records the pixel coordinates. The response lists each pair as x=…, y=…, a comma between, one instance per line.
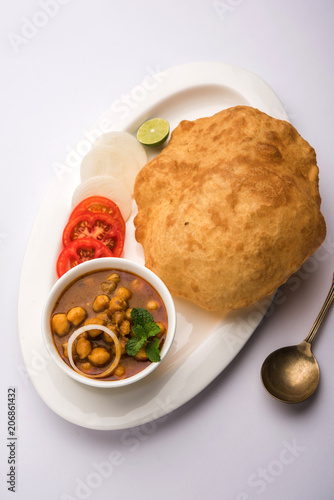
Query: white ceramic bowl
x=95, y=265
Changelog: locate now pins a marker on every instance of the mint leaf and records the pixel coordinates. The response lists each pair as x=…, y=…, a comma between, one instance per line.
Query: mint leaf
x=139, y=331
x=152, y=350
x=134, y=344
x=151, y=329
x=141, y=316
x=144, y=328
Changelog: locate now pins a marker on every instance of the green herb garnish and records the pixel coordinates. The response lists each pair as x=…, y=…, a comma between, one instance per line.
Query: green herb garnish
x=144, y=329
x=152, y=350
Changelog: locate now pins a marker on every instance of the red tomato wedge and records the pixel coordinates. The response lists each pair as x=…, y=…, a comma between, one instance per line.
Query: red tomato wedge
x=98, y=226
x=79, y=251
x=99, y=204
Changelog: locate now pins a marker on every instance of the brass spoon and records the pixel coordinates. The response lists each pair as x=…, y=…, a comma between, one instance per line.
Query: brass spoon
x=291, y=374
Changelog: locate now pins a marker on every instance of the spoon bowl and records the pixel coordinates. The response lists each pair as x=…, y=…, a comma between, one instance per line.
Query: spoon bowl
x=291, y=374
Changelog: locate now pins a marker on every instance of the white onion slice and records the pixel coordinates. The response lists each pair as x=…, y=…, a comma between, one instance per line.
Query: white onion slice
x=125, y=142
x=108, y=160
x=107, y=186
x=83, y=329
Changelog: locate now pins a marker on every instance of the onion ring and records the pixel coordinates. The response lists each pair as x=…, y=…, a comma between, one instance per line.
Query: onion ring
x=83, y=329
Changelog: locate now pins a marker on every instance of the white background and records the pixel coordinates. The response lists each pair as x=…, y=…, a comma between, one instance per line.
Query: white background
x=232, y=441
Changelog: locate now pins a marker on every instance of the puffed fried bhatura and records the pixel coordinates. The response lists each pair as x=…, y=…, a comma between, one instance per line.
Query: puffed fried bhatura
x=230, y=208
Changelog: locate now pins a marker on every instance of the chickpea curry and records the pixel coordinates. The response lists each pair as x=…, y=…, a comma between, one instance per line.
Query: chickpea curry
x=114, y=321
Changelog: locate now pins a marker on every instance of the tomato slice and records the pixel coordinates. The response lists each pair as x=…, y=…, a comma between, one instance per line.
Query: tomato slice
x=79, y=251
x=99, y=204
x=99, y=226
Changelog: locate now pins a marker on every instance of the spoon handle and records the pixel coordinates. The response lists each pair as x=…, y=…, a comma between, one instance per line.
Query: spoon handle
x=321, y=315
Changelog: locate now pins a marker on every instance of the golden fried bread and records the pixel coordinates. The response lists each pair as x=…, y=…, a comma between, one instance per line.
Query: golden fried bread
x=230, y=208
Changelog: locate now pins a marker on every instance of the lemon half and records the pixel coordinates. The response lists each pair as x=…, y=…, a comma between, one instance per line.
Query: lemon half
x=153, y=132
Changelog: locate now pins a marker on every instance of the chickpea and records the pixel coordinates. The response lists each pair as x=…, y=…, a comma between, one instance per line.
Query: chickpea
x=101, y=303
x=94, y=321
x=99, y=356
x=108, y=338
x=162, y=330
x=65, y=350
x=135, y=283
x=117, y=304
x=89, y=280
x=128, y=314
x=141, y=355
x=119, y=371
x=123, y=292
x=113, y=277
x=60, y=324
x=124, y=328
x=152, y=305
x=86, y=366
x=76, y=315
x=103, y=315
x=108, y=286
x=83, y=335
x=83, y=348
x=118, y=317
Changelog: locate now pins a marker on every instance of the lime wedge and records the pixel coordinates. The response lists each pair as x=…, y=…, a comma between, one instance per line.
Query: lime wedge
x=153, y=132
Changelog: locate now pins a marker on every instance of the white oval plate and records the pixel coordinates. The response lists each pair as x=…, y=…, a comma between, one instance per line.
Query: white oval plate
x=205, y=343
